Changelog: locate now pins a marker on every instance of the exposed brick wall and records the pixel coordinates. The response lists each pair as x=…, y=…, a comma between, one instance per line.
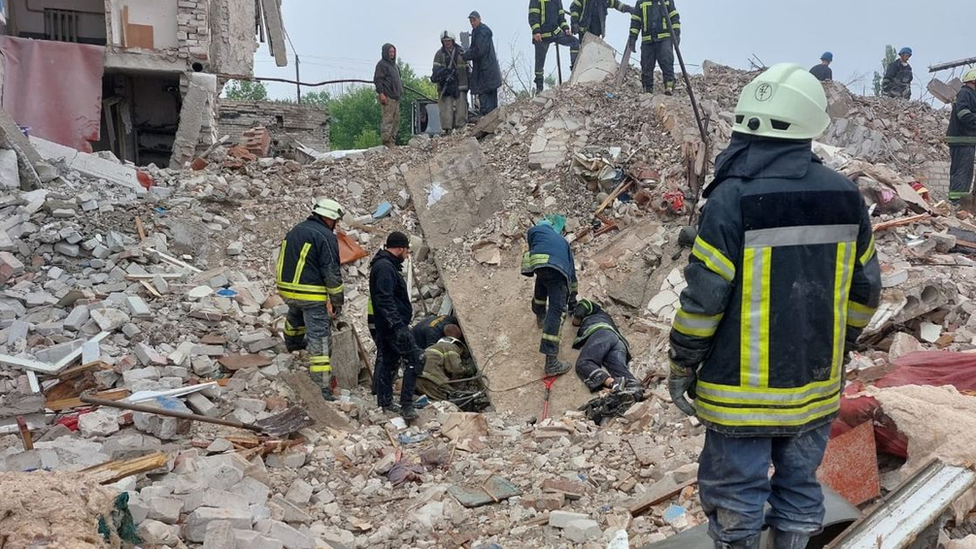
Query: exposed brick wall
x=934, y=174
x=193, y=28
x=305, y=123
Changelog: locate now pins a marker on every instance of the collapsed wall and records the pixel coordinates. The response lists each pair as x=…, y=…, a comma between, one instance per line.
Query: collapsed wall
x=307, y=124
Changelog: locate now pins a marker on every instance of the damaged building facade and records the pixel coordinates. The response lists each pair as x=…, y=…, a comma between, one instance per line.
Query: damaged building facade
x=291, y=125
x=139, y=78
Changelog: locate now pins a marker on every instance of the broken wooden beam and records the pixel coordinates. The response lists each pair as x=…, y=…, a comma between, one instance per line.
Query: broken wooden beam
x=75, y=402
x=654, y=497
x=114, y=471
x=900, y=222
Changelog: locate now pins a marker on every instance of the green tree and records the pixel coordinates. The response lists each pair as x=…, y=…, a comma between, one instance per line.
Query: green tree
x=353, y=113
x=244, y=90
x=889, y=58
x=317, y=98
x=366, y=139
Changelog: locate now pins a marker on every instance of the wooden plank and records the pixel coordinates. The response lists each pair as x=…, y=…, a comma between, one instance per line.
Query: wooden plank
x=149, y=288
x=139, y=36
x=900, y=222
x=239, y=362
x=137, y=277
x=140, y=229
x=114, y=471
x=68, y=403
x=653, y=497
x=276, y=31
x=172, y=260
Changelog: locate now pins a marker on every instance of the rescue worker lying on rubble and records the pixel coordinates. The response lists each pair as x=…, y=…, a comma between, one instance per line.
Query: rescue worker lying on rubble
x=449, y=371
x=602, y=362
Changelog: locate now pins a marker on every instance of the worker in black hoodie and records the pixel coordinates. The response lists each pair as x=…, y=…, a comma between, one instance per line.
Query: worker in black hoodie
x=389, y=313
x=389, y=89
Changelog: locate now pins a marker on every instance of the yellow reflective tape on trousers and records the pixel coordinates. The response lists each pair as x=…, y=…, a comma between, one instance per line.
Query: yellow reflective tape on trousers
x=763, y=417
x=768, y=396
x=843, y=273
x=695, y=325
x=300, y=266
x=539, y=301
x=713, y=259
x=859, y=316
x=554, y=338
x=754, y=327
x=369, y=306
x=319, y=364
x=293, y=331
x=868, y=253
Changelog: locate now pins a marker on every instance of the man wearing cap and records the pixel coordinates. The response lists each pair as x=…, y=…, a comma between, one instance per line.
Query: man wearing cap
x=451, y=76
x=389, y=313
x=590, y=16
x=486, y=75
x=782, y=279
x=310, y=281
x=823, y=71
x=897, y=81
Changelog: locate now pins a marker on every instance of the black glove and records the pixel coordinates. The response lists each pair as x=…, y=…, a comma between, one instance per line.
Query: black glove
x=337, y=302
x=573, y=302
x=628, y=9
x=575, y=29
x=681, y=381
x=404, y=340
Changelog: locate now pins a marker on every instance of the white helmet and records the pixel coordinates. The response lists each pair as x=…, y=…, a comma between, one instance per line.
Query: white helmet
x=784, y=102
x=448, y=35
x=970, y=76
x=329, y=209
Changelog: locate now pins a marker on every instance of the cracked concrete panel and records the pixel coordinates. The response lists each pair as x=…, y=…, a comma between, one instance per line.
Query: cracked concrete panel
x=596, y=61
x=232, y=37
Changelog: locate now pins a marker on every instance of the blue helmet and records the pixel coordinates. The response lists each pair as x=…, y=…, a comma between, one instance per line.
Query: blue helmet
x=827, y=56
x=905, y=50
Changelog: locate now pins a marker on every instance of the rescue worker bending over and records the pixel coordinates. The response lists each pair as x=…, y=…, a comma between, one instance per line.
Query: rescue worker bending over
x=430, y=329
x=782, y=279
x=446, y=360
x=649, y=20
x=547, y=19
x=604, y=352
x=309, y=280
x=550, y=260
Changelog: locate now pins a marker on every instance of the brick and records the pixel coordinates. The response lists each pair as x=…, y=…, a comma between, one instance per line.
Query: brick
x=138, y=307
x=10, y=267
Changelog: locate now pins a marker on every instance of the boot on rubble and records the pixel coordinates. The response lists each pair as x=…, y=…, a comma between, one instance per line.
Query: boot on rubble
x=324, y=381
x=556, y=367
x=408, y=413
x=539, y=84
x=779, y=539
x=748, y=543
x=669, y=88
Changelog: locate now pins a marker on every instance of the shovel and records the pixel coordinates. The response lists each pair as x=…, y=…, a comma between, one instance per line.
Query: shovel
x=290, y=421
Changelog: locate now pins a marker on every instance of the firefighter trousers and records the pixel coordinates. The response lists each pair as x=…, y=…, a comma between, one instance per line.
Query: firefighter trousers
x=308, y=326
x=603, y=356
x=542, y=50
x=549, y=302
x=962, y=158
x=661, y=53
x=391, y=352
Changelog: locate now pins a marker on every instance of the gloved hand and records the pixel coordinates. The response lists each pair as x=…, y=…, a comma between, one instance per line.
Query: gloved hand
x=573, y=302
x=628, y=9
x=404, y=339
x=681, y=381
x=575, y=29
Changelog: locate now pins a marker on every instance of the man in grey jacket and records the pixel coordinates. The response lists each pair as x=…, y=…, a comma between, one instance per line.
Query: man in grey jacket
x=389, y=89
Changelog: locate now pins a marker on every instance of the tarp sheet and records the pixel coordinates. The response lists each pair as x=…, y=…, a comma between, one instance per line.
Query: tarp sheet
x=935, y=368
x=55, y=88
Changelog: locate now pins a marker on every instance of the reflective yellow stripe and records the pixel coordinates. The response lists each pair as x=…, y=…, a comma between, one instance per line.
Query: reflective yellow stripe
x=761, y=417
x=302, y=297
x=767, y=396
x=754, y=335
x=539, y=301
x=281, y=260
x=963, y=112
x=307, y=288
x=536, y=27
x=320, y=363
x=713, y=259
x=695, y=325
x=301, y=263
x=868, y=253
x=843, y=273
x=333, y=291
x=535, y=10
x=369, y=306
x=548, y=337
x=533, y=260
x=859, y=316
x=292, y=331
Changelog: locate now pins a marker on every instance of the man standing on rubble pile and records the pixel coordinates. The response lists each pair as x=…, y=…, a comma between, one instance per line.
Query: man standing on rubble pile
x=310, y=281
x=782, y=279
x=823, y=71
x=961, y=138
x=547, y=19
x=389, y=89
x=604, y=351
x=590, y=16
x=388, y=313
x=897, y=81
x=451, y=76
x=649, y=21
x=550, y=260
x=486, y=75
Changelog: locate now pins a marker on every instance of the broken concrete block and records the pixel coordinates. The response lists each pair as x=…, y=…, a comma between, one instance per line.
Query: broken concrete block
x=252, y=490
x=901, y=345
x=202, y=405
x=165, y=509
x=10, y=267
x=562, y=519
x=943, y=242
x=99, y=423
x=138, y=307
x=930, y=332
x=582, y=530
x=77, y=318
x=290, y=512
x=235, y=248
x=148, y=356
x=203, y=498
x=254, y=540
x=299, y=493
x=108, y=319
x=596, y=61
x=195, y=528
x=287, y=535
x=9, y=171
x=220, y=535
x=70, y=250
x=159, y=534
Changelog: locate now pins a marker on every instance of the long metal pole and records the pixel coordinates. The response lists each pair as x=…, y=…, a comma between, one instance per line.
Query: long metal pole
x=298, y=80
x=559, y=66
x=684, y=72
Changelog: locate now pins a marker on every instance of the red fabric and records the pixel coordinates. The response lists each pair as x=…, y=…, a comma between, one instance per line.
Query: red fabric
x=933, y=368
x=55, y=88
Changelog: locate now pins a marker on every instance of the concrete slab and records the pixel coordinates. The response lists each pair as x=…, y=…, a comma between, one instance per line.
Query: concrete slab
x=596, y=61
x=87, y=164
x=492, y=303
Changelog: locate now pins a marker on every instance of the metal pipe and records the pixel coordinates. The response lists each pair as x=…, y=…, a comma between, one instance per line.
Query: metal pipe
x=168, y=413
x=316, y=84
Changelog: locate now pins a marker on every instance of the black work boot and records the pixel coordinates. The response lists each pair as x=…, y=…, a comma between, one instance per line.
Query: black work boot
x=392, y=408
x=648, y=89
x=779, y=539
x=408, y=413
x=669, y=88
x=748, y=543
x=327, y=394
x=539, y=86
x=556, y=367
x=325, y=384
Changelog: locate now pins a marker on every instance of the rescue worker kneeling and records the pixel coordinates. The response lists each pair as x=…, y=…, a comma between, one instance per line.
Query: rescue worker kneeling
x=446, y=360
x=309, y=280
x=604, y=352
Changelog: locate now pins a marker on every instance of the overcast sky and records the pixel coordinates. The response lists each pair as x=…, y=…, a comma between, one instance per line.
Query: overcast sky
x=342, y=39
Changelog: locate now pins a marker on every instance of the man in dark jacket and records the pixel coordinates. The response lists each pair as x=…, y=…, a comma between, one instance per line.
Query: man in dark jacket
x=782, y=279
x=451, y=76
x=486, y=75
x=550, y=260
x=389, y=313
x=604, y=352
x=650, y=21
x=590, y=16
x=310, y=281
x=430, y=329
x=822, y=71
x=961, y=138
x=547, y=19
x=389, y=89
x=897, y=81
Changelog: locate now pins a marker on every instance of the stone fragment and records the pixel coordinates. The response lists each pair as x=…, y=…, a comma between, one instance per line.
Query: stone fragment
x=220, y=535
x=137, y=307
x=159, y=534
x=10, y=267
x=99, y=423
x=195, y=527
x=165, y=509
x=77, y=318
x=582, y=530
x=290, y=537
x=562, y=519
x=254, y=540
x=299, y=493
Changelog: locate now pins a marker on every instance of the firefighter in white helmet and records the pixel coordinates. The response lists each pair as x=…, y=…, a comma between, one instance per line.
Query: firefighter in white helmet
x=782, y=279
x=309, y=280
x=961, y=138
x=450, y=74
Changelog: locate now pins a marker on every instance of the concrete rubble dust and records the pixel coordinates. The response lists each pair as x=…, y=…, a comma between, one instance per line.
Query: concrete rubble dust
x=179, y=280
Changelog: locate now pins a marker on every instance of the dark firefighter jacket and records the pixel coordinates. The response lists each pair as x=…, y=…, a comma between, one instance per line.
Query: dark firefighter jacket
x=450, y=72
x=386, y=77
x=822, y=72
x=649, y=20
x=962, y=121
x=308, y=264
x=897, y=81
x=430, y=329
x=596, y=320
x=591, y=15
x=547, y=17
x=388, y=309
x=783, y=277
x=549, y=249
x=486, y=75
